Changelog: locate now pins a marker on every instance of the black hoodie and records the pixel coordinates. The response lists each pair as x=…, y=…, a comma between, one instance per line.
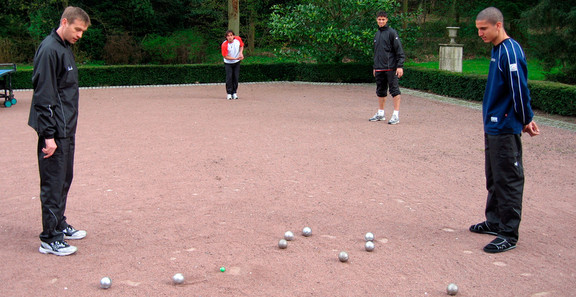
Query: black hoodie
x=388, y=52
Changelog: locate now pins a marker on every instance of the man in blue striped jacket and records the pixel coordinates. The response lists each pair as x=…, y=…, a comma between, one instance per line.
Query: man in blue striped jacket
x=507, y=113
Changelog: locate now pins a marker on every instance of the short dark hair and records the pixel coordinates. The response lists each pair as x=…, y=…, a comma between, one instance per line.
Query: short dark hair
x=492, y=15
x=72, y=13
x=228, y=32
x=382, y=13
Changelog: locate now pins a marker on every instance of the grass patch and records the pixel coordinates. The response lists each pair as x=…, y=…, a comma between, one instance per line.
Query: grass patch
x=480, y=66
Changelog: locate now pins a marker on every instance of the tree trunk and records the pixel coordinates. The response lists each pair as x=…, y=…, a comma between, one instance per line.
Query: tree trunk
x=405, y=11
x=252, y=33
x=234, y=16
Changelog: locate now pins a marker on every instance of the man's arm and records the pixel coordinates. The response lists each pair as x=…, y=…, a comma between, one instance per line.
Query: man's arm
x=241, y=55
x=532, y=129
x=400, y=56
x=45, y=98
x=515, y=69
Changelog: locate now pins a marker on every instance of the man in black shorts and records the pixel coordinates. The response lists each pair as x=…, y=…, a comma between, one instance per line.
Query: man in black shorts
x=388, y=63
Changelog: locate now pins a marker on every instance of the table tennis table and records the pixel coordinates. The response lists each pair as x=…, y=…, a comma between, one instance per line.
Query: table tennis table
x=6, y=71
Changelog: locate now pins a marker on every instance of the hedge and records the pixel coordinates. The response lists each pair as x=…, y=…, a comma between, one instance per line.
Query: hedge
x=549, y=97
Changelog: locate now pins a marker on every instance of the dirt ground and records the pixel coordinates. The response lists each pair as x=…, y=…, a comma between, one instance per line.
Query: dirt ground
x=178, y=179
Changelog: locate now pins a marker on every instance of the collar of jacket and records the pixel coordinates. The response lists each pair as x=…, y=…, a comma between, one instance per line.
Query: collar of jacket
x=383, y=28
x=59, y=39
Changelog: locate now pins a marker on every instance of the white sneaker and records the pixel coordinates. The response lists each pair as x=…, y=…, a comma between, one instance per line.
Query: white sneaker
x=394, y=120
x=58, y=248
x=234, y=96
x=71, y=233
x=376, y=118
x=229, y=97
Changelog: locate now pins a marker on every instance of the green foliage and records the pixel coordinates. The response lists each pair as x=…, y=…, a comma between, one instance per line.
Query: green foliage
x=121, y=49
x=44, y=18
x=183, y=47
x=329, y=31
x=552, y=28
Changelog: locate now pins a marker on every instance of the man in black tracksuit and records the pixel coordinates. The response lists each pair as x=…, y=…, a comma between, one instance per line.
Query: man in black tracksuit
x=54, y=115
x=388, y=67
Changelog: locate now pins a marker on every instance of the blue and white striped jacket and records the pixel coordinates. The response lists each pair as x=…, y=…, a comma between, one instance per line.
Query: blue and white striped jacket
x=506, y=107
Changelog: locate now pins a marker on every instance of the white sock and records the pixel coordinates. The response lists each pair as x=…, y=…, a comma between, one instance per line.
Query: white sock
x=395, y=113
x=381, y=112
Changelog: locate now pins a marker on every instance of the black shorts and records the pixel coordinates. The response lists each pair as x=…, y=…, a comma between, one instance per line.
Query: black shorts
x=387, y=80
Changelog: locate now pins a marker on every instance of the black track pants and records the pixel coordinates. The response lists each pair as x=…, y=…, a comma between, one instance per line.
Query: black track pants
x=55, y=178
x=505, y=183
x=232, y=76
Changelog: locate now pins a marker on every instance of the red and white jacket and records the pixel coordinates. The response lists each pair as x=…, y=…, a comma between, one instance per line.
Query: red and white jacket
x=232, y=49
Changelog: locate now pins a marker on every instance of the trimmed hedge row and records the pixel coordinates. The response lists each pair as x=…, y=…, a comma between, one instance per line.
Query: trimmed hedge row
x=549, y=97
x=186, y=74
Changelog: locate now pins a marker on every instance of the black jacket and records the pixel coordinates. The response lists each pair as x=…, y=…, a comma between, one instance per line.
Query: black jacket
x=388, y=52
x=54, y=109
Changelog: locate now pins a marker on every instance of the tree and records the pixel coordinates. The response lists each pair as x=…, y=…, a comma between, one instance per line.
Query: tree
x=329, y=31
x=551, y=27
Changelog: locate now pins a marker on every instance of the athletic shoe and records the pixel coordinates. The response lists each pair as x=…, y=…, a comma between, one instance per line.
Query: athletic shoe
x=71, y=233
x=394, y=120
x=376, y=118
x=58, y=248
x=483, y=228
x=234, y=96
x=499, y=245
x=229, y=97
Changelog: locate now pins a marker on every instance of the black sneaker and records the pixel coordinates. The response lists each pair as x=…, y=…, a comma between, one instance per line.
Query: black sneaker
x=71, y=233
x=499, y=245
x=58, y=248
x=483, y=228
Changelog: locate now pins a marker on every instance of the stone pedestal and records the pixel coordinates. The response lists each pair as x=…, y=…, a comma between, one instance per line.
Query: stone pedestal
x=451, y=57
x=451, y=53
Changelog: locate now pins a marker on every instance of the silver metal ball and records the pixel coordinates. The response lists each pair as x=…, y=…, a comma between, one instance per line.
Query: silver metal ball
x=282, y=244
x=452, y=289
x=369, y=236
x=105, y=283
x=343, y=256
x=306, y=231
x=289, y=235
x=178, y=278
x=369, y=246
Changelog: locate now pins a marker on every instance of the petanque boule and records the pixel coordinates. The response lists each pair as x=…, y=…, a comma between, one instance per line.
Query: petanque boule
x=369, y=246
x=369, y=236
x=282, y=244
x=452, y=289
x=306, y=231
x=289, y=235
x=178, y=278
x=105, y=283
x=343, y=256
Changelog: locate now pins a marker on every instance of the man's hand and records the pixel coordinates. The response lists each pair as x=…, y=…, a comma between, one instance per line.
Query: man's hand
x=532, y=129
x=399, y=72
x=50, y=148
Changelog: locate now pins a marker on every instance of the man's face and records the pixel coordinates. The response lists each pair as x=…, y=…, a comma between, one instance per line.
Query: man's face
x=230, y=37
x=71, y=32
x=487, y=31
x=382, y=21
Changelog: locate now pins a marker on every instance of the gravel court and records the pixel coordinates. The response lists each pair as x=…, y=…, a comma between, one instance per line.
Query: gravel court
x=177, y=179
